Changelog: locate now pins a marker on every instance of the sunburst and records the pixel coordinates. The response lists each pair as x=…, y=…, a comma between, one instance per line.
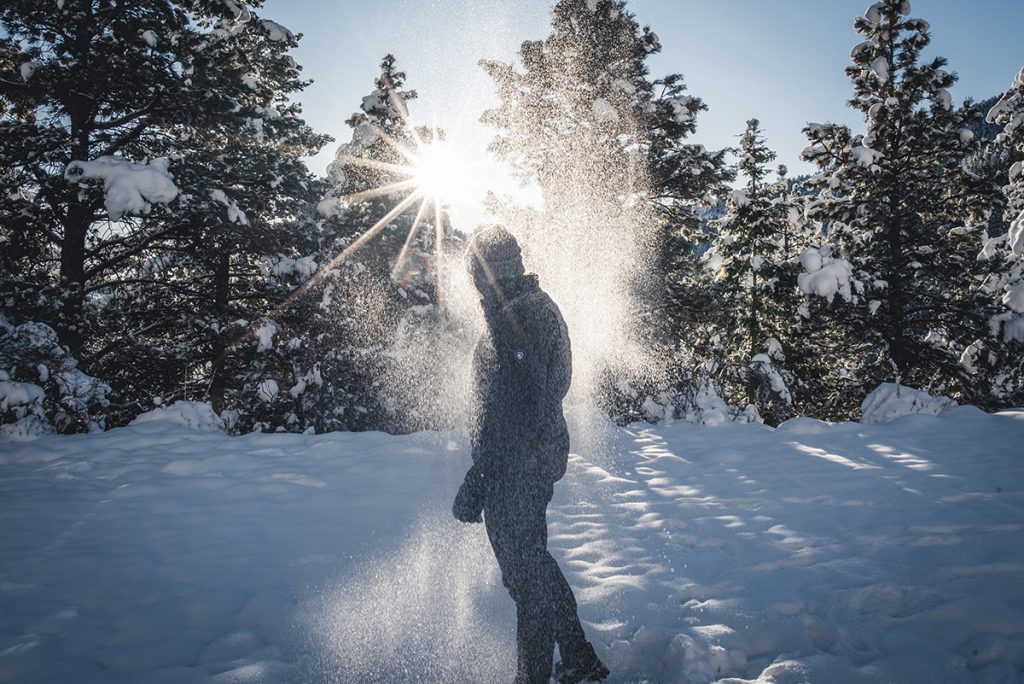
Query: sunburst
x=436, y=174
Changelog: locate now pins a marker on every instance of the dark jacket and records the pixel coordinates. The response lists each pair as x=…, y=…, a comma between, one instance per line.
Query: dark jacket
x=522, y=368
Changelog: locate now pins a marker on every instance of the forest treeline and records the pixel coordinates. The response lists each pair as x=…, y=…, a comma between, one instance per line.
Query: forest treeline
x=162, y=239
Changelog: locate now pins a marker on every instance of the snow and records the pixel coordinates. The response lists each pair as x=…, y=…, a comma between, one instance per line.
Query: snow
x=329, y=207
x=604, y=111
x=267, y=390
x=18, y=393
x=825, y=276
x=762, y=364
x=991, y=248
x=1016, y=234
x=681, y=112
x=149, y=37
x=190, y=415
x=1012, y=326
x=740, y=198
x=889, y=401
x=873, y=13
x=1008, y=110
x=969, y=356
x=299, y=387
x=880, y=67
x=129, y=188
x=919, y=25
x=813, y=552
x=625, y=86
x=235, y=214
x=265, y=335
x=373, y=101
x=855, y=55
x=284, y=265
x=810, y=259
x=71, y=396
x=865, y=156
x=362, y=136
x=276, y=32
x=1013, y=297
x=239, y=10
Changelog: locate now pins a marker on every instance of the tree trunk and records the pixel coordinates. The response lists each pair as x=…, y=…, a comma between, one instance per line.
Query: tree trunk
x=753, y=334
x=897, y=282
x=221, y=294
x=72, y=278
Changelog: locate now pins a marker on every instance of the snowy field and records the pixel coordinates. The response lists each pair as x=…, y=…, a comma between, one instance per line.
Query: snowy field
x=813, y=552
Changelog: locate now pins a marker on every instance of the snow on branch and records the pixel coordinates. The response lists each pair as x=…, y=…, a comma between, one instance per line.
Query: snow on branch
x=825, y=276
x=235, y=214
x=276, y=32
x=129, y=188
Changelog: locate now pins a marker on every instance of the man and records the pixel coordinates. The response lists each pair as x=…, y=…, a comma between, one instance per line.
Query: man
x=521, y=372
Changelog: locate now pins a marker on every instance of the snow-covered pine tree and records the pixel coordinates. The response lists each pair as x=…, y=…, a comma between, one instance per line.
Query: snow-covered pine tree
x=890, y=203
x=1001, y=353
x=127, y=131
x=379, y=290
x=607, y=145
x=750, y=259
x=250, y=199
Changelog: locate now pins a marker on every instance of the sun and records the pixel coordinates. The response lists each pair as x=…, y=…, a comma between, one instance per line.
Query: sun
x=445, y=179
x=440, y=173
x=436, y=174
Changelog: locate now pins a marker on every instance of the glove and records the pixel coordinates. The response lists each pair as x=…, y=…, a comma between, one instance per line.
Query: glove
x=469, y=502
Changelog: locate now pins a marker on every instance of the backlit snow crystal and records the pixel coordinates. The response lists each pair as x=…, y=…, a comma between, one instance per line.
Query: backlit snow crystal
x=604, y=112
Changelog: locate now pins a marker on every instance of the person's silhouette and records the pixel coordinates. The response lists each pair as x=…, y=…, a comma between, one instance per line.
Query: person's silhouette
x=522, y=367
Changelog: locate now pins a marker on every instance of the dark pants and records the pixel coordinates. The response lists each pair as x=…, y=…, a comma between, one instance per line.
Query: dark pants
x=516, y=521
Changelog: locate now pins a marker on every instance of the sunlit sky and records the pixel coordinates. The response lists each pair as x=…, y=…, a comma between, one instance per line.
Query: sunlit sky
x=780, y=61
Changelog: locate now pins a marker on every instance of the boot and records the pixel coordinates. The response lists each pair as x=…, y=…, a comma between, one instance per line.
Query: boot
x=590, y=670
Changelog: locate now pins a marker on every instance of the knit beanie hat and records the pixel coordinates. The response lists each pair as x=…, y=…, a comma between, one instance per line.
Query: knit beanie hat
x=494, y=251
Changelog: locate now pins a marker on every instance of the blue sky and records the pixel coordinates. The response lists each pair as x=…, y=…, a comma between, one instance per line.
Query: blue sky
x=781, y=61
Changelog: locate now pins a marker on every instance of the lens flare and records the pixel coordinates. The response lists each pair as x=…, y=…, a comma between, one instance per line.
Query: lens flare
x=440, y=173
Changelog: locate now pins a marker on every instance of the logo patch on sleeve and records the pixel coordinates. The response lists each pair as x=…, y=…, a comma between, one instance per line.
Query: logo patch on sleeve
x=520, y=355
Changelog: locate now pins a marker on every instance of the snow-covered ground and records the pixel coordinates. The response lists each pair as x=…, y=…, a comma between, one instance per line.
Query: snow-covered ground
x=813, y=552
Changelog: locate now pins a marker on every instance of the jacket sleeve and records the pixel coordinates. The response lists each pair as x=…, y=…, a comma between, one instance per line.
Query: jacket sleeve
x=472, y=494
x=484, y=400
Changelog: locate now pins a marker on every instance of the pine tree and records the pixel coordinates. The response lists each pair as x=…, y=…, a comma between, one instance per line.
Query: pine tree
x=890, y=203
x=368, y=327
x=151, y=155
x=1001, y=353
x=250, y=195
x=606, y=145
x=749, y=258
